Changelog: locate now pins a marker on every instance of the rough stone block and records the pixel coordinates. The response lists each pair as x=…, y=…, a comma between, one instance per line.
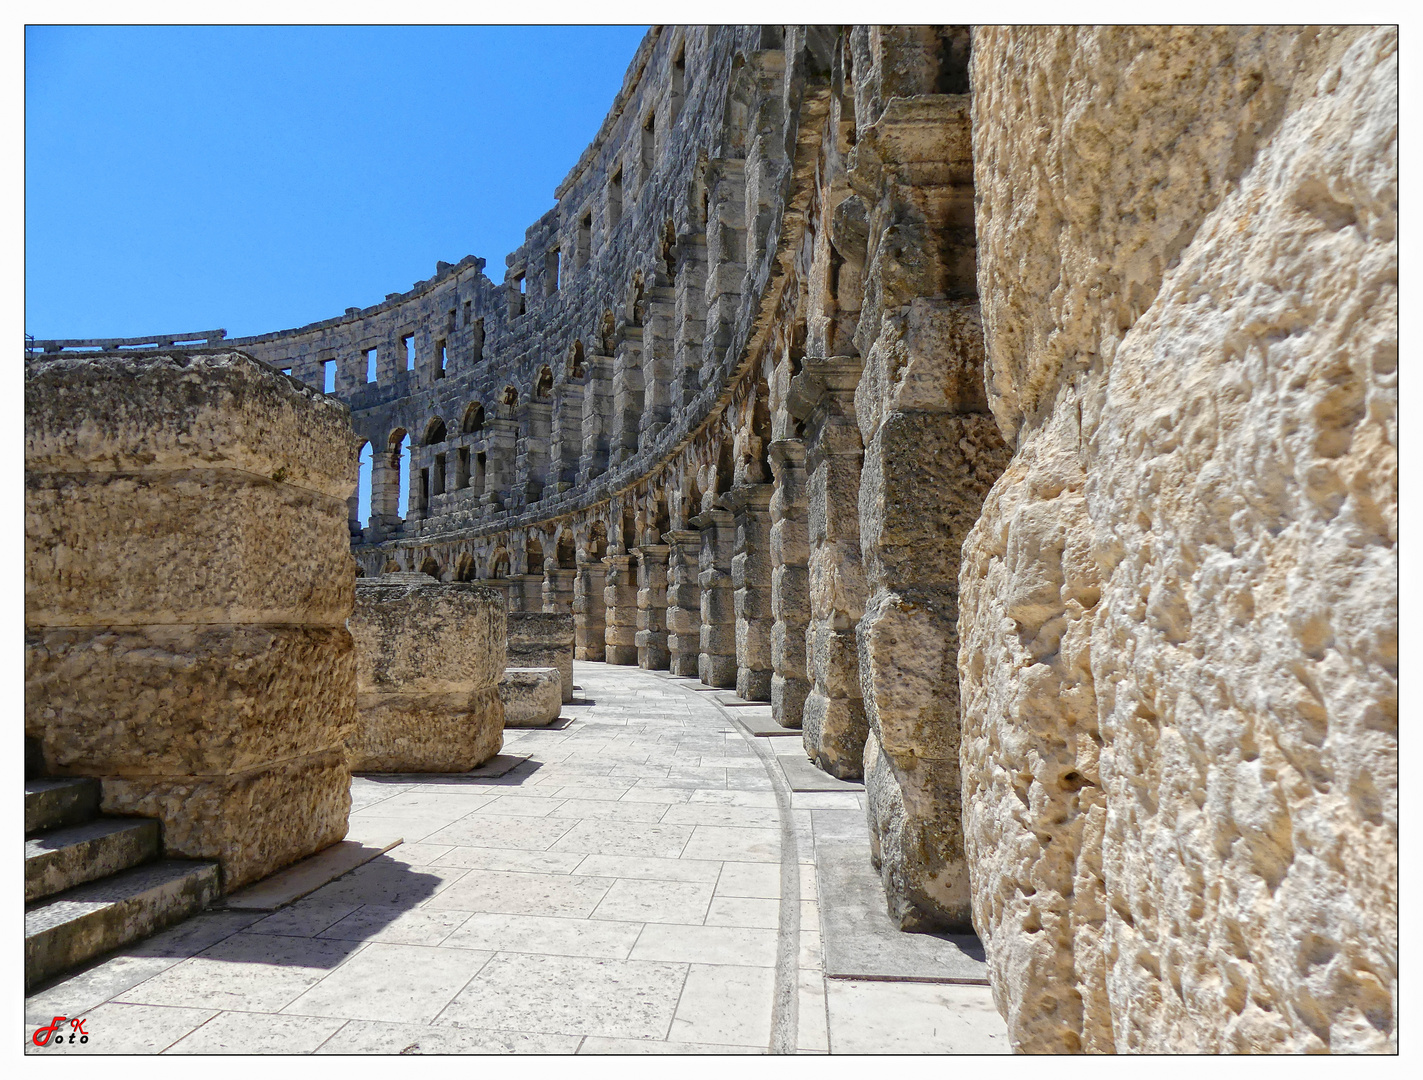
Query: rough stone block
x=543, y=640
x=532, y=697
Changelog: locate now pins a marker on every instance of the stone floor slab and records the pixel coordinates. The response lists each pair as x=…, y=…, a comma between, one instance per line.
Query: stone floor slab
x=257, y=1033
x=642, y=901
x=551, y=936
x=408, y=983
x=566, y=995
x=913, y=1018
x=524, y=894
x=374, y=1037
x=725, y=1004
x=737, y=945
x=116, y=1028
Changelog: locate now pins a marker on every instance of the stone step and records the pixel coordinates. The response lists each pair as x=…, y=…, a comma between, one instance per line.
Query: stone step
x=101, y=916
x=51, y=803
x=64, y=858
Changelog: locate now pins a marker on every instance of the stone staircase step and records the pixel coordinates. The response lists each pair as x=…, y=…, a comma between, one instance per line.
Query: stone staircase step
x=101, y=916
x=53, y=802
x=64, y=858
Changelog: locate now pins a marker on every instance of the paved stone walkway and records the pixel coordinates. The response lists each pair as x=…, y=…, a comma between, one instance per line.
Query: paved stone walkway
x=619, y=892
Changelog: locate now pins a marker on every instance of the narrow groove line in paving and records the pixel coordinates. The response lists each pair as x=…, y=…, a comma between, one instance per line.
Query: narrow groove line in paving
x=639, y=884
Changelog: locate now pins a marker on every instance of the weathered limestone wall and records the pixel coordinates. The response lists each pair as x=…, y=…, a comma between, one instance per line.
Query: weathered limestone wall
x=428, y=661
x=1179, y=614
x=187, y=581
x=542, y=639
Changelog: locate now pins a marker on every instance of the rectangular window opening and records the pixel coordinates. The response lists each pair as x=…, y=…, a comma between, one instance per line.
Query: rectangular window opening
x=477, y=349
x=328, y=376
x=438, y=487
x=649, y=146
x=370, y=365
x=439, y=360
x=407, y=342
x=468, y=312
x=462, y=468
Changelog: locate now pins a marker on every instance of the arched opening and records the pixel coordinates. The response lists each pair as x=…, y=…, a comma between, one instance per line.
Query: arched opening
x=576, y=367
x=390, y=567
x=725, y=467
x=473, y=418
x=566, y=553
x=543, y=384
x=430, y=566
x=630, y=537
x=394, y=497
x=464, y=567
x=499, y=564
x=367, y=459
x=434, y=431
x=661, y=522
x=509, y=397
x=598, y=540
x=533, y=557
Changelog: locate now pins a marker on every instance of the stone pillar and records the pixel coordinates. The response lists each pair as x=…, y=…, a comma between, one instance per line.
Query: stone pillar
x=716, y=659
x=627, y=396
x=567, y=439
x=691, y=301
x=751, y=580
x=502, y=439
x=532, y=460
x=530, y=593
x=187, y=582
x=620, y=603
x=428, y=661
x=790, y=589
x=658, y=342
x=684, y=601
x=833, y=724
x=932, y=451
x=557, y=588
x=597, y=418
x=652, y=607
x=589, y=612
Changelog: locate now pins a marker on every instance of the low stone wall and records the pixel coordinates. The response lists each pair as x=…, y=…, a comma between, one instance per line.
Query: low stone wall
x=187, y=580
x=532, y=697
x=428, y=661
x=1179, y=608
x=543, y=639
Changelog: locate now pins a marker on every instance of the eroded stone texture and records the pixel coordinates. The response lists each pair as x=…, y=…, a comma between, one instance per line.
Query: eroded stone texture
x=187, y=581
x=428, y=661
x=532, y=697
x=1179, y=620
x=542, y=640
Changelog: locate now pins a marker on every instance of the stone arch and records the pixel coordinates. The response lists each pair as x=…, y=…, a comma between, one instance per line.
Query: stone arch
x=608, y=331
x=509, y=396
x=576, y=365
x=434, y=431
x=543, y=384
x=533, y=555
x=597, y=540
x=499, y=563
x=390, y=567
x=473, y=420
x=464, y=567
x=566, y=552
x=725, y=466
x=430, y=566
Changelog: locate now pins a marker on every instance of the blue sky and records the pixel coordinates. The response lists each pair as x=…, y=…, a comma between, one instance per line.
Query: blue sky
x=259, y=178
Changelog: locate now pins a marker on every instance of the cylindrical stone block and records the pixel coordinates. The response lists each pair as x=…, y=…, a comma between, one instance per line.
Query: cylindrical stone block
x=429, y=657
x=188, y=577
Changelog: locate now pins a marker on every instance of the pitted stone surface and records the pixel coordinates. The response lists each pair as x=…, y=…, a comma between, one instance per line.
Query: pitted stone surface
x=204, y=676
x=429, y=659
x=1179, y=625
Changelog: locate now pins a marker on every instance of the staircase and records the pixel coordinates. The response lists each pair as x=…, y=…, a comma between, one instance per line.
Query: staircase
x=93, y=884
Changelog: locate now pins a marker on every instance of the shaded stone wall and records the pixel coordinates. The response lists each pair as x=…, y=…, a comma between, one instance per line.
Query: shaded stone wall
x=428, y=660
x=1179, y=624
x=187, y=583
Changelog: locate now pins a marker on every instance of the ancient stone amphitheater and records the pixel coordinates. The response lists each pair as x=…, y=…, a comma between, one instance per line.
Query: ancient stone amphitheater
x=1013, y=409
